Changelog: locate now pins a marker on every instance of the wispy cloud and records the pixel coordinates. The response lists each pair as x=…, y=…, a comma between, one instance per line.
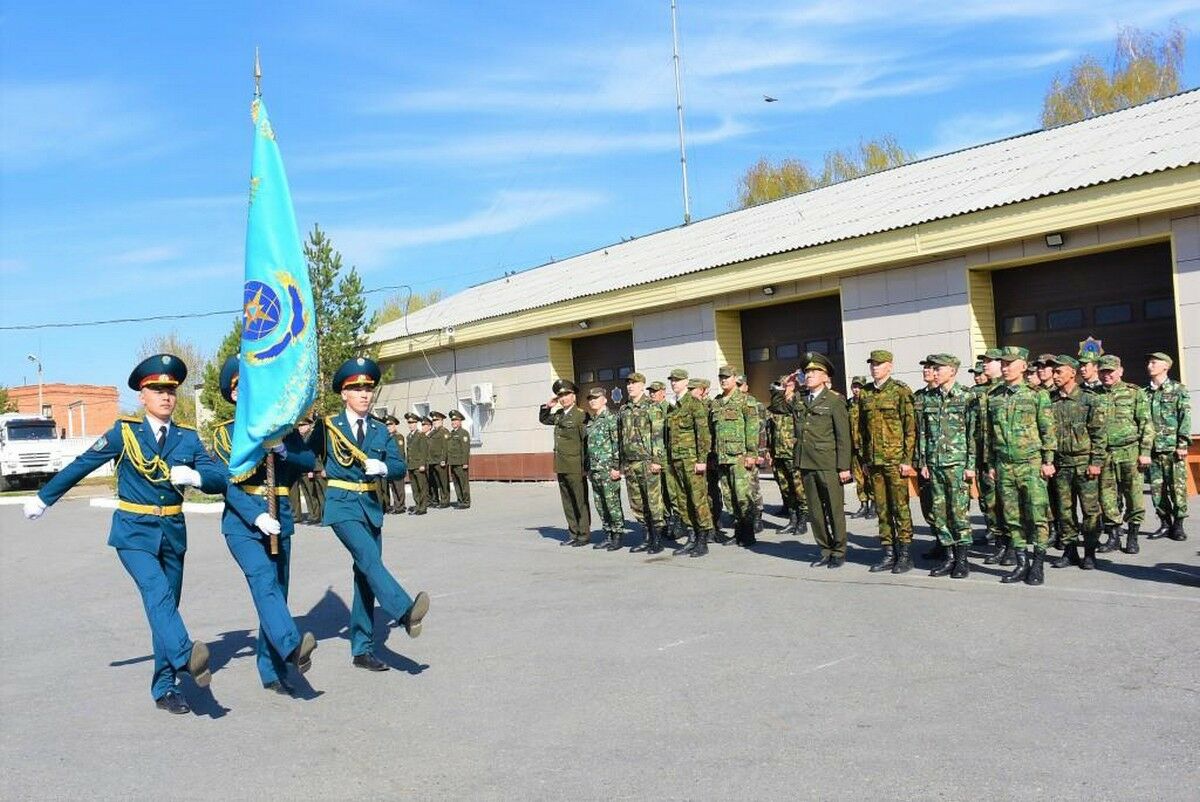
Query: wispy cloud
x=370, y=246
x=151, y=254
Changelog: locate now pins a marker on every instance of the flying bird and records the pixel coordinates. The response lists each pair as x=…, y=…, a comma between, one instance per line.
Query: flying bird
x=769, y=99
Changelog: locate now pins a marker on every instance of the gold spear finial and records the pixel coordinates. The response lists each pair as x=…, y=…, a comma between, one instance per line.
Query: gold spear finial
x=257, y=74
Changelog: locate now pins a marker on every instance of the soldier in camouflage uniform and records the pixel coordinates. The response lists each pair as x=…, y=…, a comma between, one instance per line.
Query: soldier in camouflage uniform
x=735, y=442
x=643, y=454
x=689, y=442
x=1089, y=372
x=1171, y=416
x=1079, y=422
x=1043, y=375
x=924, y=489
x=712, y=476
x=946, y=459
x=1130, y=438
x=604, y=468
x=1020, y=441
x=760, y=413
x=989, y=360
x=674, y=528
x=781, y=443
x=857, y=470
x=887, y=440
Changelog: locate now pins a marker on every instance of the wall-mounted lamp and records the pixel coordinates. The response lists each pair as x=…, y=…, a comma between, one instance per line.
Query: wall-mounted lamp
x=583, y=324
x=769, y=290
x=1054, y=240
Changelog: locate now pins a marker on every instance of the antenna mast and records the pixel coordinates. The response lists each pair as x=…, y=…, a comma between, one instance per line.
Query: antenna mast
x=687, y=208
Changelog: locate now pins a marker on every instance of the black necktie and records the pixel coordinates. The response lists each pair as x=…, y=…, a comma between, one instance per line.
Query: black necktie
x=359, y=434
x=162, y=437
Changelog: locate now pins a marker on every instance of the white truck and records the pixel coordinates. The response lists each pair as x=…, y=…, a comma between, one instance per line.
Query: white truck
x=30, y=451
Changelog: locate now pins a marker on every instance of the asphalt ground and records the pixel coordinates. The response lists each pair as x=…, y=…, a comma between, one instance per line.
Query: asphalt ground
x=559, y=673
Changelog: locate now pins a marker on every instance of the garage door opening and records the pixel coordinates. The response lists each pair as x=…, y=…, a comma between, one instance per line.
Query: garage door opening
x=775, y=339
x=603, y=360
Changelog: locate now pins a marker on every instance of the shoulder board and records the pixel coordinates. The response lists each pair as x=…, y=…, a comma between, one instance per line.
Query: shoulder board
x=129, y=419
x=184, y=426
x=831, y=391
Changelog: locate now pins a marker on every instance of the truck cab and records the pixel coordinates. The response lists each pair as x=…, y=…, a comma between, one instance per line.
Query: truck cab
x=30, y=450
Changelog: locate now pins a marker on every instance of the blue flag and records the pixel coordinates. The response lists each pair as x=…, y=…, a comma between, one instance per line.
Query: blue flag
x=277, y=369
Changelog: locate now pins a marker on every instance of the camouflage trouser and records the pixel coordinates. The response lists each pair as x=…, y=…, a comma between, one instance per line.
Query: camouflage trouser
x=988, y=505
x=949, y=499
x=672, y=493
x=790, y=486
x=1071, y=484
x=735, y=489
x=890, y=491
x=755, y=488
x=1023, y=503
x=861, y=486
x=1121, y=485
x=712, y=476
x=925, y=499
x=607, y=493
x=645, y=490
x=694, y=508
x=1168, y=486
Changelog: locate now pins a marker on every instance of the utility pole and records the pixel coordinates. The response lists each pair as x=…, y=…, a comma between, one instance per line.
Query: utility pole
x=687, y=206
x=33, y=358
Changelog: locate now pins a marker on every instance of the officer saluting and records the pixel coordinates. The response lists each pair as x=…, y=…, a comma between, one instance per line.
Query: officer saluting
x=247, y=524
x=358, y=449
x=154, y=455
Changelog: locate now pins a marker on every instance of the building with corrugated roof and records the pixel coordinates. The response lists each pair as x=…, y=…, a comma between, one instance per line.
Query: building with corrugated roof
x=1040, y=240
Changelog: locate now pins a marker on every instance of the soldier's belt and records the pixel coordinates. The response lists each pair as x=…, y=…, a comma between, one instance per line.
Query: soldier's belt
x=353, y=487
x=150, y=509
x=261, y=490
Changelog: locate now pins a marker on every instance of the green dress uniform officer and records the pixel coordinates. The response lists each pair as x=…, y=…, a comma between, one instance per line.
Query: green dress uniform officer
x=155, y=457
x=862, y=486
x=1171, y=416
x=643, y=454
x=570, y=449
x=439, y=469
x=604, y=468
x=689, y=441
x=946, y=460
x=1021, y=441
x=358, y=450
x=822, y=457
x=397, y=500
x=458, y=458
x=247, y=524
x=888, y=440
x=735, y=442
x=1079, y=420
x=1130, y=439
x=306, y=487
x=781, y=447
x=418, y=455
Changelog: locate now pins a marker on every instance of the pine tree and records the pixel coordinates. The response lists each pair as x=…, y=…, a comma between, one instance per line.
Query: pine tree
x=210, y=394
x=340, y=310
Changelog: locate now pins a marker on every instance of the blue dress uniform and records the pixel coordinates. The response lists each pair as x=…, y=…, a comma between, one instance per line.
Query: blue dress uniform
x=266, y=575
x=148, y=529
x=353, y=509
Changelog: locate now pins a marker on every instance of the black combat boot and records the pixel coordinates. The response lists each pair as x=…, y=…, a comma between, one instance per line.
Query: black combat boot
x=888, y=562
x=872, y=510
x=1113, y=542
x=1008, y=557
x=746, y=532
x=757, y=521
x=1070, y=556
x=1017, y=574
x=937, y=552
x=1164, y=529
x=903, y=560
x=614, y=541
x=1177, y=532
x=1058, y=541
x=861, y=512
x=961, y=569
x=648, y=539
x=1036, y=575
x=998, y=554
x=790, y=529
x=701, y=545
x=1131, y=541
x=801, y=522
x=949, y=560
x=656, y=539
x=1089, y=552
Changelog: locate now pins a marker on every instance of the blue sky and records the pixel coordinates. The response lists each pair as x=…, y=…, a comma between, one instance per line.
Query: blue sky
x=442, y=144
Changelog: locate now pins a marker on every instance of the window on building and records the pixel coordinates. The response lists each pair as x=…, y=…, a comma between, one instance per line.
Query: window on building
x=1064, y=319
x=758, y=354
x=586, y=377
x=787, y=351
x=817, y=346
x=421, y=409
x=623, y=373
x=605, y=375
x=1112, y=314
x=47, y=411
x=1019, y=324
x=474, y=414
x=1158, y=309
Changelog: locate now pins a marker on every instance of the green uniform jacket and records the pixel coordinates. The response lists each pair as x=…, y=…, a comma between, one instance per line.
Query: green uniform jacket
x=641, y=432
x=603, y=443
x=458, y=447
x=781, y=428
x=399, y=438
x=1020, y=426
x=888, y=426
x=689, y=437
x=1127, y=409
x=1171, y=415
x=822, y=432
x=946, y=422
x=438, y=438
x=418, y=448
x=1080, y=421
x=735, y=427
x=570, y=437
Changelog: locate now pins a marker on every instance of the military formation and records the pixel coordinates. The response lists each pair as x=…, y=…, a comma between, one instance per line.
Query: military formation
x=1056, y=449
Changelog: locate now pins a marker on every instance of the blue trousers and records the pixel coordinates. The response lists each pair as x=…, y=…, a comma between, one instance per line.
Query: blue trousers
x=371, y=580
x=159, y=578
x=267, y=577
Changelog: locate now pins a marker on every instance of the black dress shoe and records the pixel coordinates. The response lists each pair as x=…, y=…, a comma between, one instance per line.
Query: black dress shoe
x=837, y=562
x=411, y=621
x=280, y=687
x=370, y=662
x=172, y=702
x=821, y=563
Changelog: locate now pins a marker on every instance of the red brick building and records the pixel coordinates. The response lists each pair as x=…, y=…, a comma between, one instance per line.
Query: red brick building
x=80, y=410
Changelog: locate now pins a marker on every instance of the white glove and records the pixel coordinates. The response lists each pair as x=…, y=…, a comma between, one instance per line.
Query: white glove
x=376, y=468
x=267, y=525
x=34, y=507
x=280, y=450
x=183, y=475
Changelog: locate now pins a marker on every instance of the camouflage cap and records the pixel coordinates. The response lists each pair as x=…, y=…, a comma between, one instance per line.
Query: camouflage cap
x=694, y=384
x=1088, y=357
x=726, y=372
x=977, y=369
x=741, y=379
x=880, y=355
x=937, y=360
x=990, y=354
x=597, y=392
x=928, y=361
x=1109, y=362
x=858, y=381
x=1162, y=356
x=1063, y=360
x=1011, y=353
x=635, y=377
x=656, y=386
x=678, y=374
x=1044, y=359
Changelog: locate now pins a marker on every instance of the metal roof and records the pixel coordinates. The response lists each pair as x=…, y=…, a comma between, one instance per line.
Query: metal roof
x=1155, y=136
